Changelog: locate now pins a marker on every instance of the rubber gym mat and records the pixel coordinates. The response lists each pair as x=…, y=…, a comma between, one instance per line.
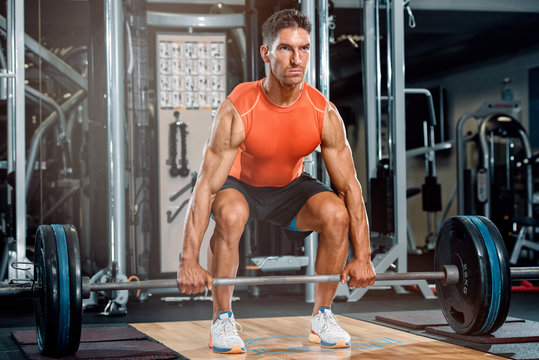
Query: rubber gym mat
x=103, y=343
x=509, y=332
x=419, y=320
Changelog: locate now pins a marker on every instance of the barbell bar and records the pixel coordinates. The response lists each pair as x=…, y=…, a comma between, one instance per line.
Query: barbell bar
x=473, y=283
x=448, y=276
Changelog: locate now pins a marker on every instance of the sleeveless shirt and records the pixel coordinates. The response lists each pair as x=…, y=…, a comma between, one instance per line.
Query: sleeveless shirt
x=277, y=138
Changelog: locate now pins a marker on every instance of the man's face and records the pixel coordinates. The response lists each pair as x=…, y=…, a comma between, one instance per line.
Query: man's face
x=288, y=56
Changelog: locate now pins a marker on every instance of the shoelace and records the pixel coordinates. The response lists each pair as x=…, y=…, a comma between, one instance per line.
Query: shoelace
x=329, y=323
x=229, y=328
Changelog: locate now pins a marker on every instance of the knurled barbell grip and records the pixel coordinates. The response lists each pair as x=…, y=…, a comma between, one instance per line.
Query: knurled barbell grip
x=449, y=275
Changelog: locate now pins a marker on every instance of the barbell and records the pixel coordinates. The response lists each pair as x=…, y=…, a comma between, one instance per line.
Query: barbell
x=473, y=281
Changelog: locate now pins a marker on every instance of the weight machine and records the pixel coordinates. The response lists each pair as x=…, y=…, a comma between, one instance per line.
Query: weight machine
x=495, y=171
x=62, y=118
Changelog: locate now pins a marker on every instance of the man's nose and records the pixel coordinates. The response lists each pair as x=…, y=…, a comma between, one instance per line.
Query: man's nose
x=296, y=57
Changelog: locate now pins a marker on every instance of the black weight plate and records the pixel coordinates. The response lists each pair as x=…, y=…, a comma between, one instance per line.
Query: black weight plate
x=64, y=303
x=46, y=304
x=466, y=305
x=75, y=289
x=505, y=273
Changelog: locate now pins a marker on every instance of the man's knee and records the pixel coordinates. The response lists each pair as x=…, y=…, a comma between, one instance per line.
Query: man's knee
x=231, y=217
x=335, y=217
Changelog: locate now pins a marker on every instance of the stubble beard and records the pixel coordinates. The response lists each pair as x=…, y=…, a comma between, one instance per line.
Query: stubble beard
x=292, y=81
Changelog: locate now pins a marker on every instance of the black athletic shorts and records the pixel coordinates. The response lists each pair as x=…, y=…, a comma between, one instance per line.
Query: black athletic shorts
x=278, y=205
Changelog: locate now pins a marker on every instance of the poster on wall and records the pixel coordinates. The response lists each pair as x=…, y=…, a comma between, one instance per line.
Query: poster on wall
x=192, y=72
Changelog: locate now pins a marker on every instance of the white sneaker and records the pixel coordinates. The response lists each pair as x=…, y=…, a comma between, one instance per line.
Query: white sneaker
x=224, y=336
x=326, y=332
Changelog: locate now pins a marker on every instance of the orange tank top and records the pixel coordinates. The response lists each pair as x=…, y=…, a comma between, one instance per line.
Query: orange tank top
x=276, y=138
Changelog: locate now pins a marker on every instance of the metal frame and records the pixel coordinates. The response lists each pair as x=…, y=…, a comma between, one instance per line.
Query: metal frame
x=64, y=75
x=203, y=21
x=17, y=124
x=115, y=97
x=487, y=160
x=519, y=6
x=308, y=8
x=17, y=41
x=511, y=108
x=369, y=89
x=399, y=127
x=396, y=120
x=190, y=2
x=56, y=115
x=114, y=35
x=488, y=108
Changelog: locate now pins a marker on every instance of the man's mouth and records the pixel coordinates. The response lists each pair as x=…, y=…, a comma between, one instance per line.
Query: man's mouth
x=295, y=72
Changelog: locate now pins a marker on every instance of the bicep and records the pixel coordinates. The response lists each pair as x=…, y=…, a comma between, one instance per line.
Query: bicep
x=336, y=151
x=221, y=148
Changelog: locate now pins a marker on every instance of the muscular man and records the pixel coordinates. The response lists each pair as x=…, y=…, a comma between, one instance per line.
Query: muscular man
x=253, y=169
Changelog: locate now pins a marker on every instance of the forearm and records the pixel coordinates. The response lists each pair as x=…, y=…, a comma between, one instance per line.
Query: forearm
x=196, y=223
x=359, y=226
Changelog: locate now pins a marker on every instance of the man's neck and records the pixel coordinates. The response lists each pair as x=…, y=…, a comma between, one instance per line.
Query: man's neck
x=280, y=94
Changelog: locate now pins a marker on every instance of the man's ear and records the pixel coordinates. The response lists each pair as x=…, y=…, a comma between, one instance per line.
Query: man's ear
x=264, y=49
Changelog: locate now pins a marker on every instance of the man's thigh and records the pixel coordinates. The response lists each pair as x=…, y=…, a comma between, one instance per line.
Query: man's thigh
x=318, y=209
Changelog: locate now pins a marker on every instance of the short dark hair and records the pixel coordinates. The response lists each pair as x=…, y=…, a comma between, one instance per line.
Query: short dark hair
x=284, y=19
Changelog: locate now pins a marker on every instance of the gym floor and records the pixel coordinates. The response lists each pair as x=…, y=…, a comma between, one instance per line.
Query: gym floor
x=273, y=302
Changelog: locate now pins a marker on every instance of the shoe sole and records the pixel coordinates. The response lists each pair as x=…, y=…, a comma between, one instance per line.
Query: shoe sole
x=234, y=350
x=339, y=345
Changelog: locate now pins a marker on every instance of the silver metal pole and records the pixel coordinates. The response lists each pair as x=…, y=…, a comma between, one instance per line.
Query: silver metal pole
x=529, y=174
x=323, y=37
x=114, y=35
x=525, y=273
x=323, y=74
x=16, y=121
x=311, y=242
x=369, y=88
x=308, y=8
x=399, y=129
x=488, y=153
x=452, y=277
x=390, y=26
x=461, y=162
x=448, y=276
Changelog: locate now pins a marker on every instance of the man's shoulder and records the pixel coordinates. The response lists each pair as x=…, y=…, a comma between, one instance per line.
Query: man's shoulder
x=317, y=98
x=244, y=88
x=245, y=95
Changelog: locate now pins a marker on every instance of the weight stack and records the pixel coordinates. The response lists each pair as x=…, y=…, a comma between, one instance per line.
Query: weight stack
x=382, y=218
x=432, y=194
